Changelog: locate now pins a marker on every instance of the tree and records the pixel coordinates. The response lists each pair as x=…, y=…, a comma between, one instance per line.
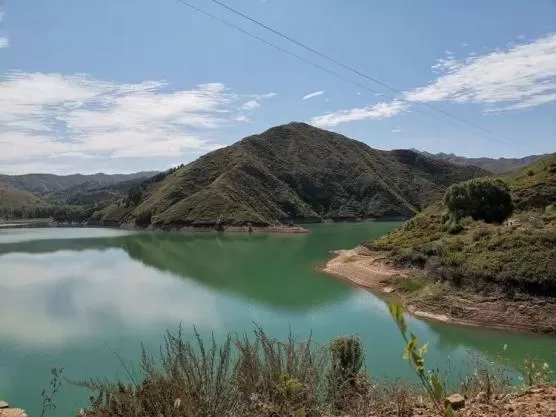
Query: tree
x=485, y=199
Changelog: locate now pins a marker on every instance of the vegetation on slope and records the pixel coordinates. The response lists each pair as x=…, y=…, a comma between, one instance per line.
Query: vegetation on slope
x=518, y=256
x=293, y=172
x=63, y=198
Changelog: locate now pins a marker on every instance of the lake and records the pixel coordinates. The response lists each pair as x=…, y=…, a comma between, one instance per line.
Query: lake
x=84, y=299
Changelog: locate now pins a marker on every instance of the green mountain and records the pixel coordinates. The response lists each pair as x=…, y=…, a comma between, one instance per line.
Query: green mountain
x=66, y=198
x=515, y=257
x=293, y=172
x=48, y=183
x=496, y=165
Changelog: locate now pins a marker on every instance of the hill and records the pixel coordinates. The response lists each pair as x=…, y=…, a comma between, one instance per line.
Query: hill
x=12, y=197
x=513, y=261
x=495, y=165
x=91, y=192
x=293, y=172
x=75, y=197
x=48, y=183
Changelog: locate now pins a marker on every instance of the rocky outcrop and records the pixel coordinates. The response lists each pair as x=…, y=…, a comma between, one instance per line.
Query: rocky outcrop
x=7, y=411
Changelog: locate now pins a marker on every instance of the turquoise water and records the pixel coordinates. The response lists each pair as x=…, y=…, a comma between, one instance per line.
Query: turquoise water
x=84, y=299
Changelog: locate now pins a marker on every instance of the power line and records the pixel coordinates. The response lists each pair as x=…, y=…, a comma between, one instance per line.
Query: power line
x=355, y=71
x=307, y=61
x=252, y=35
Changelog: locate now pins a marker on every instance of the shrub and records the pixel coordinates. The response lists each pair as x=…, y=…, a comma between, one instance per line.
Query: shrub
x=143, y=218
x=343, y=375
x=454, y=228
x=410, y=256
x=480, y=234
x=483, y=199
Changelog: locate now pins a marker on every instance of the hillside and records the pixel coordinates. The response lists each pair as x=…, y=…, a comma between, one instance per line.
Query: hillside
x=293, y=172
x=91, y=192
x=496, y=165
x=523, y=256
x=49, y=183
x=12, y=197
x=514, y=261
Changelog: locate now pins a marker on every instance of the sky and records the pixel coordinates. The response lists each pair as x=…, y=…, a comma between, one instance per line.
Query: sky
x=130, y=85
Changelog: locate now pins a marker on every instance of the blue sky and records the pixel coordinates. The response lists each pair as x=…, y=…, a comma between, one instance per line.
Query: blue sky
x=120, y=86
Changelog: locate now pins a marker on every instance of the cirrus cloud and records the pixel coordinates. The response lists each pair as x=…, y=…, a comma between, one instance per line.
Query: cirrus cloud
x=312, y=95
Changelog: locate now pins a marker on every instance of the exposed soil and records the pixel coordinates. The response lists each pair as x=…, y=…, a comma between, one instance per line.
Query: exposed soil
x=535, y=402
x=372, y=270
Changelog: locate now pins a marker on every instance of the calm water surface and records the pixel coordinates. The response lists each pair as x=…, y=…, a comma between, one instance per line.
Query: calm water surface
x=79, y=298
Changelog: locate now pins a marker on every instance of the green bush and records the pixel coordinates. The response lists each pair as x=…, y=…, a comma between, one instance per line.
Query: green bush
x=485, y=199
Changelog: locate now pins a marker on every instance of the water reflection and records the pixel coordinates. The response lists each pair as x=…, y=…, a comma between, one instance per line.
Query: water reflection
x=241, y=264
x=62, y=297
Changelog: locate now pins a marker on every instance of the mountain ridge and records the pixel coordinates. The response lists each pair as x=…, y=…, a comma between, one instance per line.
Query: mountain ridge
x=495, y=165
x=43, y=184
x=287, y=173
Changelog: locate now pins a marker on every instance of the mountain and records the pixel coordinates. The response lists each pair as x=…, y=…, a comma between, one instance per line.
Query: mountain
x=48, y=183
x=498, y=166
x=293, y=172
x=517, y=257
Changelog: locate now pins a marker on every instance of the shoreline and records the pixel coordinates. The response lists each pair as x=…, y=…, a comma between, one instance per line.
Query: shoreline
x=372, y=271
x=228, y=229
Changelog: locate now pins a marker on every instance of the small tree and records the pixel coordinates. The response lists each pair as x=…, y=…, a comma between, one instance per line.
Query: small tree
x=485, y=199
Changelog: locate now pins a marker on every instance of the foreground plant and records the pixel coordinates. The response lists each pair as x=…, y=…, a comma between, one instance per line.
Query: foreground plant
x=415, y=355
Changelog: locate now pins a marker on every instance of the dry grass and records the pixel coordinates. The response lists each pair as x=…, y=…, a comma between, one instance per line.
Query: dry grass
x=255, y=375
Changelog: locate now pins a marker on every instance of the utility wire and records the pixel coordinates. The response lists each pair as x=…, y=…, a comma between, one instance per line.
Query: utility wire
x=307, y=61
x=355, y=71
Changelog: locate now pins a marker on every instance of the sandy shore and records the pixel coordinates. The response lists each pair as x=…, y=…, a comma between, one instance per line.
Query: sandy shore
x=363, y=268
x=438, y=302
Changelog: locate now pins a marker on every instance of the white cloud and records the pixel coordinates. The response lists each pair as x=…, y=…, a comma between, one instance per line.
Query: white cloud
x=379, y=94
x=251, y=105
x=380, y=110
x=510, y=78
x=242, y=118
x=398, y=130
x=4, y=41
x=312, y=95
x=53, y=115
x=517, y=77
x=34, y=167
x=263, y=96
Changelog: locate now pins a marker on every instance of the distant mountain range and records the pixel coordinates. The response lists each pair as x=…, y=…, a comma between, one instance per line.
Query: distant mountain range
x=48, y=183
x=46, y=194
x=497, y=166
x=293, y=172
